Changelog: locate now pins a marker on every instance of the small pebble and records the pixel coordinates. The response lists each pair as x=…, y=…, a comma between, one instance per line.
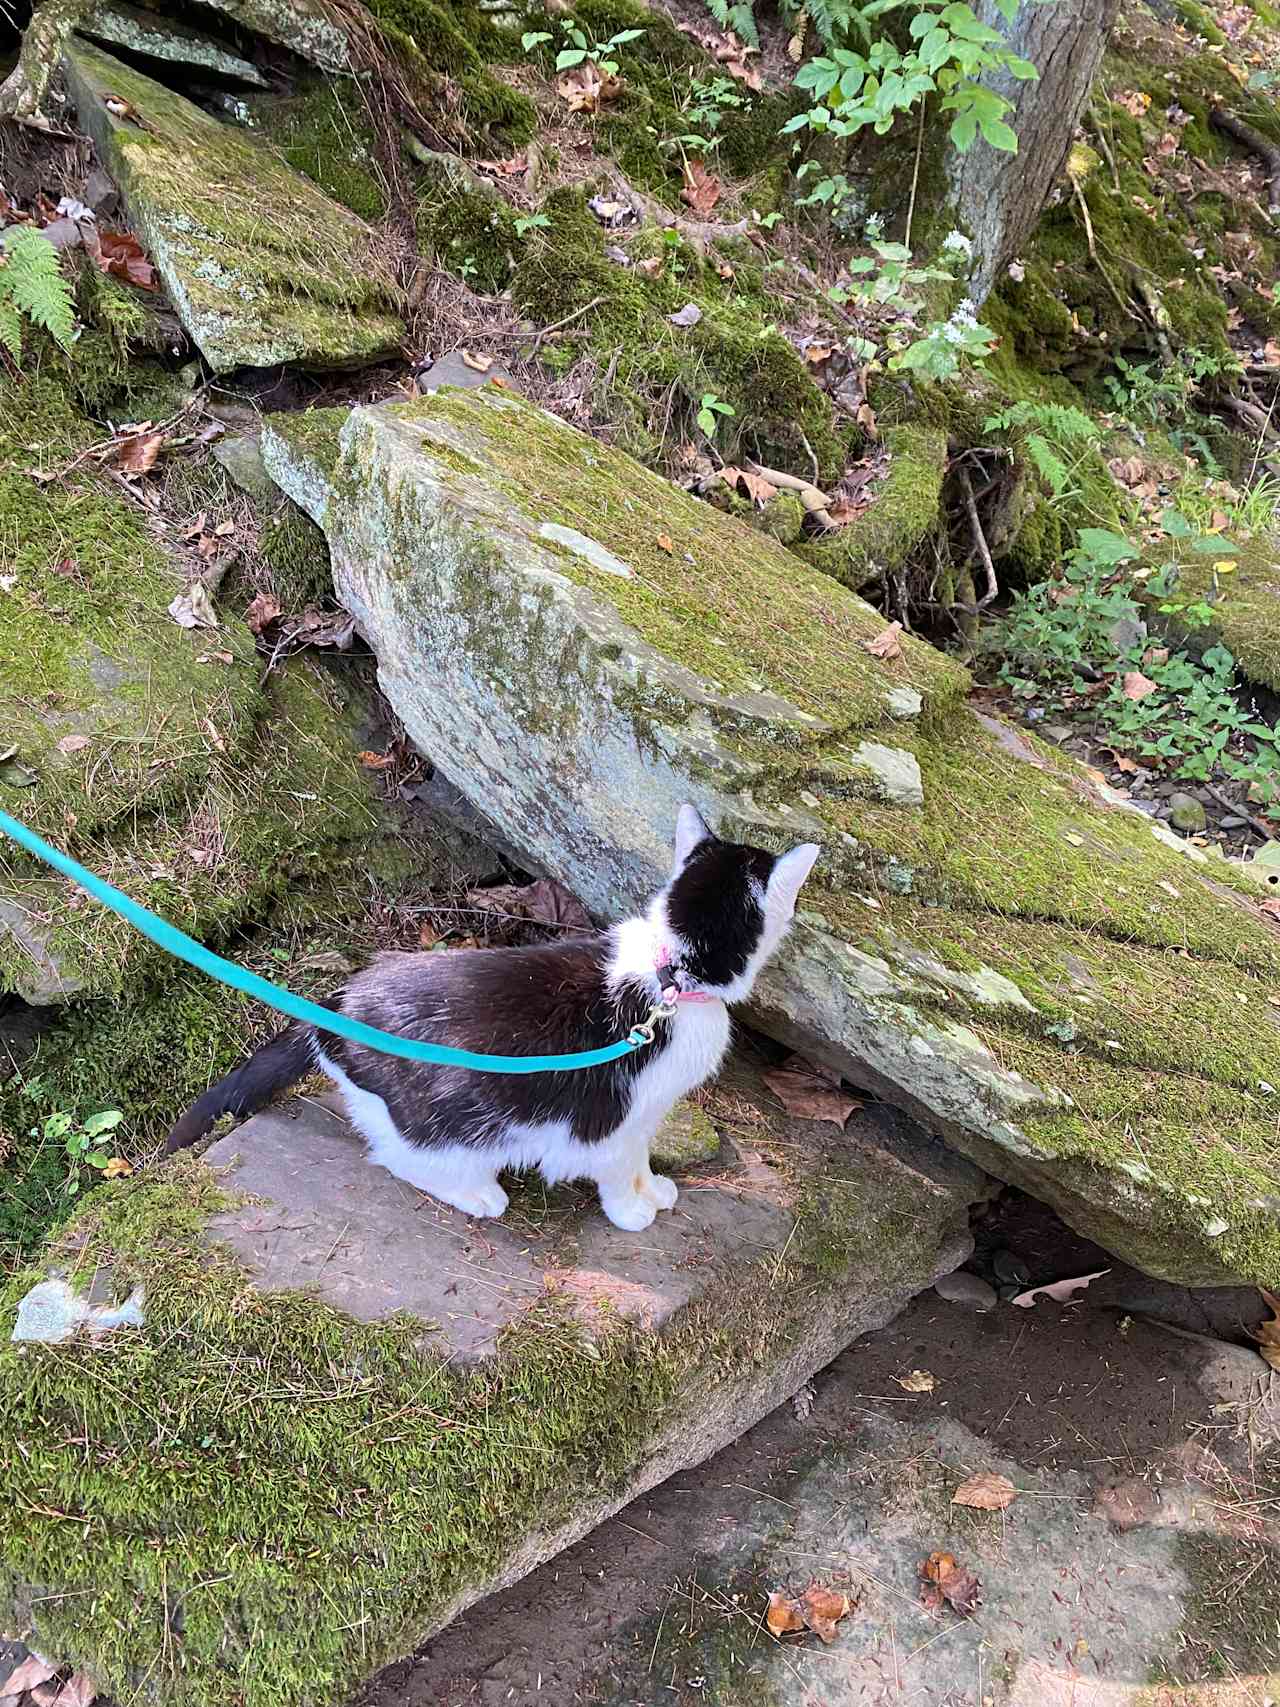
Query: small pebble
x=970, y=1289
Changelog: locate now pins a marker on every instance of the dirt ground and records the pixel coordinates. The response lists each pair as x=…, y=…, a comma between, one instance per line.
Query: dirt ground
x=1141, y=1561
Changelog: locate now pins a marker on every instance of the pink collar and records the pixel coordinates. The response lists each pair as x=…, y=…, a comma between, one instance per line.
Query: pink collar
x=671, y=991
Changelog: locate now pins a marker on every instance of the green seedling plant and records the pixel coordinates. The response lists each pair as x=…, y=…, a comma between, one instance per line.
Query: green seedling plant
x=710, y=410
x=525, y=223
x=82, y=1141
x=579, y=48
x=1078, y=644
x=887, y=278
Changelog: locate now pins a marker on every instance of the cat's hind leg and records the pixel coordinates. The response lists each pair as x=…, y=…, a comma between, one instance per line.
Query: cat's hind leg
x=464, y=1178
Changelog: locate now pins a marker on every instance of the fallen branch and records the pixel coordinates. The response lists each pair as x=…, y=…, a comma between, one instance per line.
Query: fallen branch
x=979, y=540
x=568, y=320
x=815, y=502
x=1251, y=414
x=1256, y=143
x=1237, y=809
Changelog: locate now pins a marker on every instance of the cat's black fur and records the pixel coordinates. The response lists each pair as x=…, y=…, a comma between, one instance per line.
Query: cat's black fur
x=511, y=1001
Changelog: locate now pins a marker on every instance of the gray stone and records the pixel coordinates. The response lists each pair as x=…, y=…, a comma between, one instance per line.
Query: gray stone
x=452, y=370
x=580, y=706
x=303, y=26
x=116, y=24
x=260, y=265
x=1186, y=813
x=54, y=1312
x=968, y=1289
x=242, y=458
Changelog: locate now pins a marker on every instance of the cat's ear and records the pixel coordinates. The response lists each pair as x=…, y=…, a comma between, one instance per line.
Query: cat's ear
x=691, y=831
x=788, y=873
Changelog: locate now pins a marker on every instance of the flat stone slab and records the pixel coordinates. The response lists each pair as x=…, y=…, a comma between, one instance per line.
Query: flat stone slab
x=992, y=939
x=119, y=25
x=260, y=265
x=359, y=1399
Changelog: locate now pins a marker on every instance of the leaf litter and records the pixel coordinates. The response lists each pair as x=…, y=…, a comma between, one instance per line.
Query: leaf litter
x=988, y=1490
x=944, y=1579
x=1267, y=1334
x=810, y=1092
x=820, y=1609
x=1062, y=1291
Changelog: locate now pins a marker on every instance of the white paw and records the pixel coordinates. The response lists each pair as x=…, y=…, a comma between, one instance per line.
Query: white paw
x=632, y=1214
x=660, y=1191
x=486, y=1199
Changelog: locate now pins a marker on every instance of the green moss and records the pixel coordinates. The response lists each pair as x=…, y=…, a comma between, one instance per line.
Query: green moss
x=904, y=513
x=297, y=554
x=449, y=50
x=328, y=139
x=297, y=1465
x=1246, y=614
x=733, y=350
x=270, y=267
x=468, y=227
x=1227, y=1634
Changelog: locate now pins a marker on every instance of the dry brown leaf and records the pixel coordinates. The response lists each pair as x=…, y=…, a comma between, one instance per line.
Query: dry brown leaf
x=810, y=1092
x=138, y=454
x=194, y=608
x=822, y=1608
x=375, y=761
x=886, y=644
x=1218, y=521
x=985, y=1491
x=117, y=1168
x=1271, y=352
x=585, y=89
x=946, y=1579
x=512, y=168
x=1271, y=908
x=28, y=1674
x=477, y=360
x=1136, y=685
x=756, y=487
x=1127, y=766
x=196, y=528
x=211, y=730
x=701, y=189
x=816, y=352
x=1062, y=1291
x=1267, y=1334
x=45, y=1694
x=223, y=529
x=783, y=1615
x=262, y=612
x=664, y=542
x=918, y=1381
x=650, y=267
x=544, y=902
x=865, y=416
x=73, y=743
x=79, y=1690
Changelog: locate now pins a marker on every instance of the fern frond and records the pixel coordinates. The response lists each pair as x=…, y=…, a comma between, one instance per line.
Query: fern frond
x=31, y=280
x=1047, y=463
x=10, y=328
x=739, y=17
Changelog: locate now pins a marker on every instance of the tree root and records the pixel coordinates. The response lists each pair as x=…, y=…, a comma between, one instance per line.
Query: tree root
x=1256, y=143
x=25, y=91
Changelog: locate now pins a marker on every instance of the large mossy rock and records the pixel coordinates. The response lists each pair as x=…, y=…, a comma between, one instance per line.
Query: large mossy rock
x=269, y=1492
x=261, y=266
x=991, y=940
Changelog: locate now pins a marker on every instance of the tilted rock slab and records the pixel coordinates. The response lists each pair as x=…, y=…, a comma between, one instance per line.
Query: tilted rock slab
x=260, y=265
x=349, y=1412
x=992, y=941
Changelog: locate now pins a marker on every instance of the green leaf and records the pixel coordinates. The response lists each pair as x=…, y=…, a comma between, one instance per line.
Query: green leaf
x=1175, y=524
x=534, y=38
x=998, y=134
x=11, y=329
x=1106, y=547
x=31, y=279
x=1022, y=69
x=625, y=36
x=569, y=56
x=106, y=1121
x=964, y=130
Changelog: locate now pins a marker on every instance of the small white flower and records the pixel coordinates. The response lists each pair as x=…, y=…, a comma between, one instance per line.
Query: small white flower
x=952, y=333
x=966, y=312
x=958, y=243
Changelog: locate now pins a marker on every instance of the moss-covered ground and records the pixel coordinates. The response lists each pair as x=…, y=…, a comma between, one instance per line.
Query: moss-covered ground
x=269, y=1500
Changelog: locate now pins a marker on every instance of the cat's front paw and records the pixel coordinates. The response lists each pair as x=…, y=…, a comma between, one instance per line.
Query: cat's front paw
x=632, y=1214
x=486, y=1201
x=660, y=1191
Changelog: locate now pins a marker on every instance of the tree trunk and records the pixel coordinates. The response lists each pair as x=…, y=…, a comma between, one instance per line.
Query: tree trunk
x=1000, y=196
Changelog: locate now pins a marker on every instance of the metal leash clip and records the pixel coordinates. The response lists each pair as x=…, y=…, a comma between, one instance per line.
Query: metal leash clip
x=644, y=1032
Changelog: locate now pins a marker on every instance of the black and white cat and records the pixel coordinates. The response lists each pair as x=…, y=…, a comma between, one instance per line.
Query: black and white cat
x=449, y=1131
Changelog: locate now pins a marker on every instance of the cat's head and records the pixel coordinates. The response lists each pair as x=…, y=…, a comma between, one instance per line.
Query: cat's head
x=727, y=905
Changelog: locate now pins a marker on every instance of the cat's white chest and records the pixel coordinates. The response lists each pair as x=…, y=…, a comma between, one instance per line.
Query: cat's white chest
x=699, y=1038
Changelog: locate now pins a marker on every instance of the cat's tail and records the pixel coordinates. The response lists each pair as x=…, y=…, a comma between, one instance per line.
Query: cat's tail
x=288, y=1057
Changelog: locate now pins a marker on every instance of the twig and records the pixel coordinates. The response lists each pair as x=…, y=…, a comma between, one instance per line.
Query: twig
x=1251, y=413
x=813, y=461
x=1257, y=144
x=1240, y=810
x=1266, y=428
x=568, y=320
x=979, y=540
x=1083, y=205
x=915, y=177
x=815, y=501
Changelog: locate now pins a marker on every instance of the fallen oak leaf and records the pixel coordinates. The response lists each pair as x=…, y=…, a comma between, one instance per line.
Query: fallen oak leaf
x=1136, y=685
x=477, y=361
x=513, y=168
x=375, y=761
x=756, y=487
x=886, y=644
x=194, y=608
x=137, y=455
x=262, y=612
x=919, y=1381
x=822, y=1608
x=783, y=1615
x=1062, y=1291
x=946, y=1579
x=28, y=1674
x=1267, y=1334
x=543, y=902
x=810, y=1092
x=701, y=189
x=985, y=1491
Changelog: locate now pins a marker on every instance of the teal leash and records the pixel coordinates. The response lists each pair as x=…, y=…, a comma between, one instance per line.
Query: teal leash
x=182, y=947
